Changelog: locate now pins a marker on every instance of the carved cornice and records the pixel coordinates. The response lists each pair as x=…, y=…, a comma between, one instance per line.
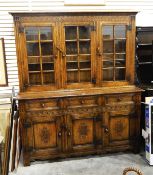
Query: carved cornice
x=49, y=19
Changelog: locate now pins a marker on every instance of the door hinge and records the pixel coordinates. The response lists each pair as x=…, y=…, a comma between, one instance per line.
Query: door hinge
x=129, y=27
x=94, y=80
x=97, y=119
x=98, y=142
x=21, y=28
x=93, y=28
x=29, y=149
x=27, y=125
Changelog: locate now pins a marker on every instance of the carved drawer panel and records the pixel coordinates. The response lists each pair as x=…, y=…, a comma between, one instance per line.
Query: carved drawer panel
x=41, y=104
x=112, y=99
x=82, y=101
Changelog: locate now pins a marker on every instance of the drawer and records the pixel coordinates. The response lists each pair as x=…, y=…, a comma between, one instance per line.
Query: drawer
x=41, y=104
x=120, y=98
x=82, y=101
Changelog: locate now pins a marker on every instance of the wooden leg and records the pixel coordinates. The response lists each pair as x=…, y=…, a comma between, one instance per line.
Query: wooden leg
x=26, y=160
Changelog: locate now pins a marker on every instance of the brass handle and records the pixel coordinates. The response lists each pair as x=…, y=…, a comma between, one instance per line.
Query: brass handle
x=43, y=105
x=106, y=130
x=61, y=51
x=63, y=54
x=69, y=133
x=59, y=134
x=98, y=53
x=82, y=101
x=119, y=99
x=55, y=56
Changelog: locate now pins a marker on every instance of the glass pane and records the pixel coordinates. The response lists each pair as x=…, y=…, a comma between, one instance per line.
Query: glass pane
x=84, y=65
x=108, y=46
x=70, y=32
x=108, y=60
x=33, y=49
x=120, y=46
x=84, y=47
x=72, y=77
x=33, y=60
x=120, y=31
x=71, y=58
x=48, y=66
x=107, y=32
x=119, y=74
x=48, y=77
x=34, y=67
x=108, y=74
x=84, y=32
x=47, y=59
x=120, y=60
x=31, y=33
x=46, y=48
x=46, y=33
x=35, y=78
x=85, y=76
x=71, y=47
x=84, y=57
x=72, y=65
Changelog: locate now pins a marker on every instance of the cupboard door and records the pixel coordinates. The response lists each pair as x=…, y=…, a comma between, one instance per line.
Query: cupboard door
x=42, y=135
x=85, y=132
x=119, y=128
x=78, y=54
x=114, y=49
x=40, y=42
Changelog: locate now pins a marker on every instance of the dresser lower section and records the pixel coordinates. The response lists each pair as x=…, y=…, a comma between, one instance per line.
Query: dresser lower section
x=75, y=126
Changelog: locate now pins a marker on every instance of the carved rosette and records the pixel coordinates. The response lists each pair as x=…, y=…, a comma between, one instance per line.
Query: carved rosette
x=83, y=130
x=119, y=127
x=44, y=135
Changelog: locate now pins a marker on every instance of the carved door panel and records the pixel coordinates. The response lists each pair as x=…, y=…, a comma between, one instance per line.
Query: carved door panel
x=43, y=135
x=85, y=132
x=118, y=128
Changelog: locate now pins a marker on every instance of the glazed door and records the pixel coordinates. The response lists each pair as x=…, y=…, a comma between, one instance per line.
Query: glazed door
x=78, y=48
x=43, y=135
x=113, y=50
x=41, y=56
x=84, y=132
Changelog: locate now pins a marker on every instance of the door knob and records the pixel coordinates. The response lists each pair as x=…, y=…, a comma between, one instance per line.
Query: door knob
x=59, y=133
x=106, y=130
x=98, y=52
x=69, y=133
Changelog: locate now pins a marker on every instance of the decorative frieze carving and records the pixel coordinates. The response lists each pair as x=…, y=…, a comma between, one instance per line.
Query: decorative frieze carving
x=53, y=113
x=67, y=18
x=123, y=107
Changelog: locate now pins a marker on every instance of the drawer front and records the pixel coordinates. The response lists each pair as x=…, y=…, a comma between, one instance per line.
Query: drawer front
x=82, y=101
x=41, y=104
x=123, y=98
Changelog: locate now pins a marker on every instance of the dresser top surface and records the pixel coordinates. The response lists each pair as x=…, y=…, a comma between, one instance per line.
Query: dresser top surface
x=78, y=92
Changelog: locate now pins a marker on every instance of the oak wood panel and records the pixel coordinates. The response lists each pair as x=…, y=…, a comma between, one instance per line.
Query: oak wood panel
x=41, y=104
x=74, y=118
x=79, y=92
